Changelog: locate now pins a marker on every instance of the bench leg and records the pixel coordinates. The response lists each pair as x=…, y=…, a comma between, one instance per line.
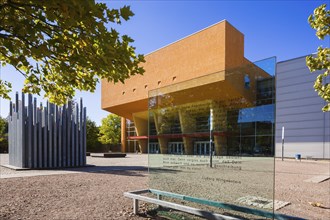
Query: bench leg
x=135, y=206
x=159, y=197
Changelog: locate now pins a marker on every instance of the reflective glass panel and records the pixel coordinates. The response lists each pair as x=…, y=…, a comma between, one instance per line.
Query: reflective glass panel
x=211, y=140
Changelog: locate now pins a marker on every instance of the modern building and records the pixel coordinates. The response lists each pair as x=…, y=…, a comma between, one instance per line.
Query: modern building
x=200, y=93
x=298, y=110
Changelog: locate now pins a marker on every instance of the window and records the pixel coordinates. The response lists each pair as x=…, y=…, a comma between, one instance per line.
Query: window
x=246, y=81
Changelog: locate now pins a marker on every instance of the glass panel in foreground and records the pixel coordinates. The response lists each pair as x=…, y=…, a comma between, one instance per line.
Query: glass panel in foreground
x=211, y=140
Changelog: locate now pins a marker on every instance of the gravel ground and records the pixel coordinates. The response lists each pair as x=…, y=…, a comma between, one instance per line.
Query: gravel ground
x=74, y=196
x=291, y=187
x=98, y=193
x=80, y=193
x=130, y=162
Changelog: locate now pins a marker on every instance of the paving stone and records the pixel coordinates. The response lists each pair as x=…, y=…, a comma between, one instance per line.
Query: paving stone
x=318, y=179
x=262, y=203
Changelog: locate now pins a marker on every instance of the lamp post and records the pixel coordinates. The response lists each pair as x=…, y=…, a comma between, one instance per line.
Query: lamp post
x=211, y=135
x=282, y=142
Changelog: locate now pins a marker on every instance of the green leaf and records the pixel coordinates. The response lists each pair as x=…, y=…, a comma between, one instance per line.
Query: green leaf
x=51, y=41
x=320, y=21
x=126, y=12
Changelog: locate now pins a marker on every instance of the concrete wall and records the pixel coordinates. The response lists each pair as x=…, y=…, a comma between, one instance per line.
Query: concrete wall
x=298, y=109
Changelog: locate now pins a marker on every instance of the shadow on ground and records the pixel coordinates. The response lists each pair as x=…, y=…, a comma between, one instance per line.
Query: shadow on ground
x=124, y=170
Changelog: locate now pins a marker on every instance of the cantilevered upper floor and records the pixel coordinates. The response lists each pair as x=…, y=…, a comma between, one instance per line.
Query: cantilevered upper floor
x=215, y=49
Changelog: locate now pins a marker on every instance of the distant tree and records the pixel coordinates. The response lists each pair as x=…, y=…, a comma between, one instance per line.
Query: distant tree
x=110, y=130
x=3, y=135
x=320, y=21
x=60, y=46
x=92, y=135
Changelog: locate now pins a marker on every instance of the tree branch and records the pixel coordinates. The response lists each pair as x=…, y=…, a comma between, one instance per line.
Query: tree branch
x=43, y=19
x=23, y=74
x=10, y=2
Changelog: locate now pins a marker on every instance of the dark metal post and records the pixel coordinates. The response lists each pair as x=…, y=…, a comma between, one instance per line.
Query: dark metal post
x=282, y=143
x=211, y=135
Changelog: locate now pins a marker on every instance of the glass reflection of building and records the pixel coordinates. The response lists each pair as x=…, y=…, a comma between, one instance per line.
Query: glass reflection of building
x=256, y=125
x=247, y=131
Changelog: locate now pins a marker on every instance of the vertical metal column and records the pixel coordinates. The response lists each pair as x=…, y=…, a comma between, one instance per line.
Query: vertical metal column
x=84, y=137
x=72, y=138
x=35, y=140
x=50, y=133
x=68, y=125
x=76, y=135
x=55, y=146
x=46, y=137
x=81, y=154
x=64, y=130
x=29, y=148
x=22, y=132
x=40, y=165
x=45, y=129
x=59, y=143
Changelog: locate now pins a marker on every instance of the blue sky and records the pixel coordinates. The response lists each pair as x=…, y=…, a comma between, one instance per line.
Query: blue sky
x=271, y=28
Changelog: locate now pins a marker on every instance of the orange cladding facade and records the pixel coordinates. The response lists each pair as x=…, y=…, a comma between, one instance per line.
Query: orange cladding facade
x=217, y=48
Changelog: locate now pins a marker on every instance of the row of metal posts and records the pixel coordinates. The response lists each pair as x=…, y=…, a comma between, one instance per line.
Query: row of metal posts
x=46, y=137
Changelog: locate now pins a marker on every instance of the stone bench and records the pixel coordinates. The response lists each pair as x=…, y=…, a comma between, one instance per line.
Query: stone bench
x=108, y=155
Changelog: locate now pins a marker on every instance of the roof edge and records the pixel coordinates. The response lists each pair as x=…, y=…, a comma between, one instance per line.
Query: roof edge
x=224, y=20
x=296, y=58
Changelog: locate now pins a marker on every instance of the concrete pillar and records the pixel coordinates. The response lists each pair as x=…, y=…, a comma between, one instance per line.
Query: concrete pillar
x=188, y=125
x=220, y=145
x=163, y=145
x=189, y=145
x=123, y=135
x=219, y=125
x=143, y=146
x=141, y=127
x=163, y=142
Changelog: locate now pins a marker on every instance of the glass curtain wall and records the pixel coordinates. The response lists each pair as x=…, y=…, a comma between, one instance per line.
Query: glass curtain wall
x=132, y=144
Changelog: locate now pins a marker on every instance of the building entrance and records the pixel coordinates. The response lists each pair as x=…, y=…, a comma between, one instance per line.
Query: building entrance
x=176, y=148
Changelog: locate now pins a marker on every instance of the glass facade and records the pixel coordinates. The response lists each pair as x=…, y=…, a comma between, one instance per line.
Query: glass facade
x=215, y=134
x=256, y=125
x=248, y=131
x=132, y=143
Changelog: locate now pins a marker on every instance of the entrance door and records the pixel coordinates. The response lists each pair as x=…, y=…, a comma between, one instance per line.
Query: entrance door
x=175, y=148
x=153, y=148
x=202, y=148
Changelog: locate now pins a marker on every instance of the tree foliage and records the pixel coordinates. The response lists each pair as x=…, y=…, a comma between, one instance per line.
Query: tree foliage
x=60, y=46
x=3, y=135
x=320, y=21
x=92, y=135
x=110, y=130
x=3, y=129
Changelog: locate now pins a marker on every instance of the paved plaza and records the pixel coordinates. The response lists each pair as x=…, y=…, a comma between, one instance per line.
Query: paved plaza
x=92, y=188
x=95, y=164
